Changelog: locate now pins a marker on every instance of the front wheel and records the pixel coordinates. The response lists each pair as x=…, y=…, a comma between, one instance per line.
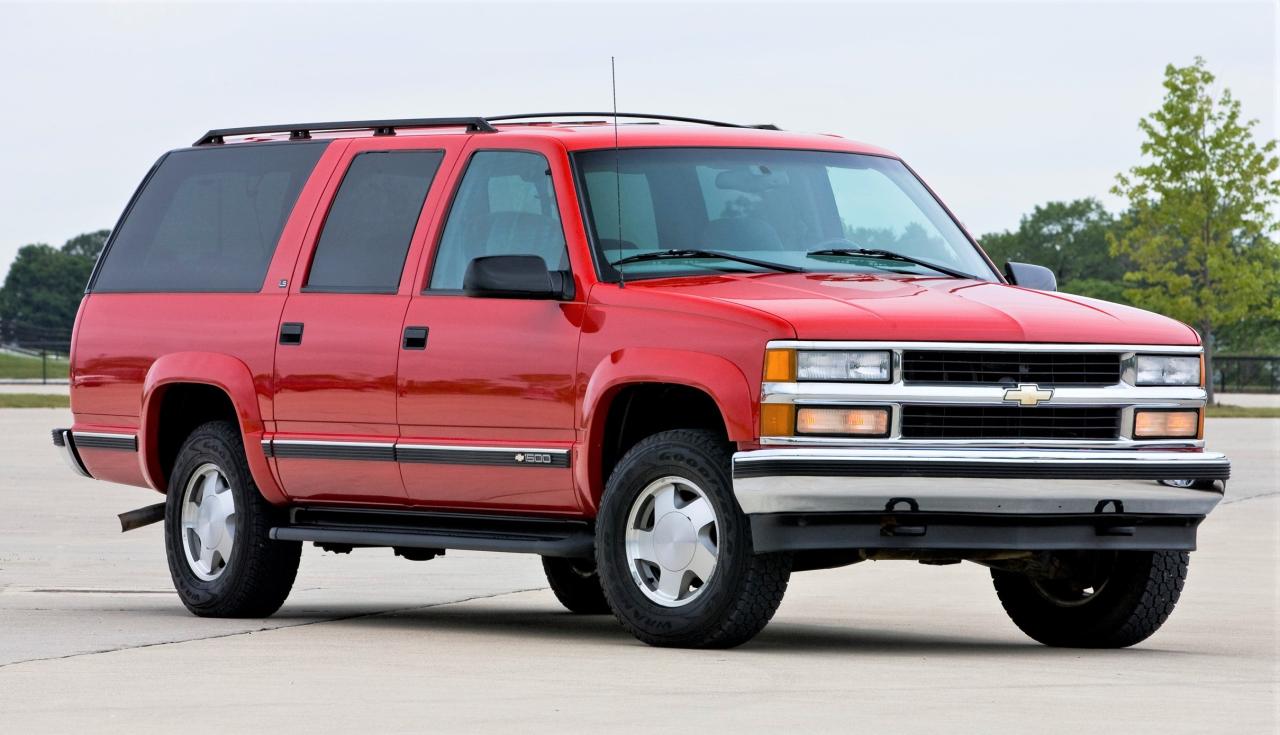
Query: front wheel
x=674, y=551
x=216, y=526
x=1099, y=599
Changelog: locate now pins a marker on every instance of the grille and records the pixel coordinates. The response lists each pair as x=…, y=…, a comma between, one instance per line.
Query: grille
x=980, y=367
x=1009, y=422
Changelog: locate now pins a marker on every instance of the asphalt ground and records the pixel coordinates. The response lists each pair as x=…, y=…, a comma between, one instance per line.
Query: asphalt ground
x=93, y=639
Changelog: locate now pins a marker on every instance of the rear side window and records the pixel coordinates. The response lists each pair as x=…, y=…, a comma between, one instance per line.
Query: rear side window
x=208, y=219
x=366, y=235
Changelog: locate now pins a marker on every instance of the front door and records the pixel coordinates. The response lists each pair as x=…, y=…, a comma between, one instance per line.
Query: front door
x=340, y=333
x=487, y=402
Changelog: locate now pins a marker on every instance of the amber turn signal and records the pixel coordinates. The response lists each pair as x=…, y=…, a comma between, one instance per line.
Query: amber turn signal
x=1166, y=424
x=777, y=419
x=779, y=366
x=851, y=421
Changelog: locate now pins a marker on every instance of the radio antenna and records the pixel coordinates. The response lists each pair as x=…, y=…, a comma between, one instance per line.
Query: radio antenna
x=617, y=164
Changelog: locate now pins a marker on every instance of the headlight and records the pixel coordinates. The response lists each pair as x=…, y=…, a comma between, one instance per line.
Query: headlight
x=1167, y=370
x=841, y=366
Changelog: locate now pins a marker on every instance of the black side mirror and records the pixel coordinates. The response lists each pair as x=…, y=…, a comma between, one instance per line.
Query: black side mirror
x=1031, y=276
x=515, y=277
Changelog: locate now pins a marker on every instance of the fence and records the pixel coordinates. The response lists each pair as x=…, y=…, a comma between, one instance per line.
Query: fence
x=1246, y=374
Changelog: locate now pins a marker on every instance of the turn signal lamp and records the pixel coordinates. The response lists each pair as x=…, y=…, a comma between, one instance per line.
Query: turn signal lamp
x=843, y=421
x=1166, y=424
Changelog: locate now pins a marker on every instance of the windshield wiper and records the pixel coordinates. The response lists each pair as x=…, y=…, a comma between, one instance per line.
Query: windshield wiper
x=679, y=254
x=890, y=255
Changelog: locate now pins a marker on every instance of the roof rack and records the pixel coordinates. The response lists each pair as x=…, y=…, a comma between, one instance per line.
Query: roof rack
x=631, y=115
x=302, y=131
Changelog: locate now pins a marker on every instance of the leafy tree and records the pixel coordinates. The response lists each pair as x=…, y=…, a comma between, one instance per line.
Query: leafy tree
x=1201, y=204
x=87, y=245
x=1071, y=239
x=41, y=294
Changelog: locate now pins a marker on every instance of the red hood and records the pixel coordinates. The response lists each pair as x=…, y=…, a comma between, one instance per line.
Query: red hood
x=875, y=307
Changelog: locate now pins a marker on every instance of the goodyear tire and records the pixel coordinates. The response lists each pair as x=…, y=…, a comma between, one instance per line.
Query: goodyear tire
x=1114, y=600
x=674, y=551
x=216, y=526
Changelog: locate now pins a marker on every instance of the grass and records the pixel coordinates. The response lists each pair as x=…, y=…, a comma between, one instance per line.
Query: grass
x=33, y=400
x=27, y=368
x=1242, y=412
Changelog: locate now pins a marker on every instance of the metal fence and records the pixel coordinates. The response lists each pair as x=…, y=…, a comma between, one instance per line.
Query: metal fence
x=1257, y=374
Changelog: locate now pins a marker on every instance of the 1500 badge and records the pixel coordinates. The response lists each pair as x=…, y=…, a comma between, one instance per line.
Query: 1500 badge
x=532, y=458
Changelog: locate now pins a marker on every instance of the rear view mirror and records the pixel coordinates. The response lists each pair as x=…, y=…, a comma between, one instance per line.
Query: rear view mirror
x=515, y=277
x=1031, y=276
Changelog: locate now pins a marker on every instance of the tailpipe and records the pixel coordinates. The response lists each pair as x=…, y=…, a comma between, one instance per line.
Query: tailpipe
x=141, y=517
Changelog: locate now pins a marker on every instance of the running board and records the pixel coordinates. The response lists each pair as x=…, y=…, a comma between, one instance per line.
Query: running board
x=432, y=530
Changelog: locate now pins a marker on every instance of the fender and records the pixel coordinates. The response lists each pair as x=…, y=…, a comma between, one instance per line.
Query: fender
x=220, y=371
x=714, y=375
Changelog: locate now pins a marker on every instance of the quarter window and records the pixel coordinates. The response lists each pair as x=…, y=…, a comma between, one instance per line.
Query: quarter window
x=208, y=219
x=505, y=205
x=366, y=235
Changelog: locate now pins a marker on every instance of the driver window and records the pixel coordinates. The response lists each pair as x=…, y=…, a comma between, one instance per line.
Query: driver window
x=505, y=205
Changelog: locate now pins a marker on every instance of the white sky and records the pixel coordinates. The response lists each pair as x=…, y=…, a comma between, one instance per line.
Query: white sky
x=1000, y=106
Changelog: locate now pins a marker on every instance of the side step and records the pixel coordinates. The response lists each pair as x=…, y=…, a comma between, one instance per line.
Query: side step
x=436, y=530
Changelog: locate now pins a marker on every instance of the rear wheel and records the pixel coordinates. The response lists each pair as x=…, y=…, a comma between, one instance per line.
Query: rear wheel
x=222, y=562
x=674, y=551
x=1099, y=600
x=576, y=585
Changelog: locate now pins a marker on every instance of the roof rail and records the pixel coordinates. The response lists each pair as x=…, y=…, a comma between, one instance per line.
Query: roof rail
x=632, y=115
x=302, y=131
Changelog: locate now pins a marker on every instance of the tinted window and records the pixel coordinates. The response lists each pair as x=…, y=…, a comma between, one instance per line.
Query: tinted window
x=506, y=205
x=367, y=232
x=208, y=219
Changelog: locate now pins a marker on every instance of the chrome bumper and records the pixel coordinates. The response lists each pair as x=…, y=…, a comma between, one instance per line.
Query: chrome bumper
x=995, y=481
x=63, y=441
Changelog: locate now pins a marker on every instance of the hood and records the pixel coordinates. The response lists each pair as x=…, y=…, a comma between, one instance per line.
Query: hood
x=911, y=308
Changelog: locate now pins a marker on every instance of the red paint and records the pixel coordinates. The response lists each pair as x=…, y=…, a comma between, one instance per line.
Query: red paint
x=505, y=373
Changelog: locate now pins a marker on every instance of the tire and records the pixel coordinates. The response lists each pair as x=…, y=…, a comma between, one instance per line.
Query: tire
x=742, y=589
x=256, y=574
x=1133, y=593
x=576, y=585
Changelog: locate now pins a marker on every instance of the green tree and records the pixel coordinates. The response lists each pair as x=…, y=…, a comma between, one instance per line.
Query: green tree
x=87, y=245
x=41, y=294
x=1201, y=205
x=1070, y=238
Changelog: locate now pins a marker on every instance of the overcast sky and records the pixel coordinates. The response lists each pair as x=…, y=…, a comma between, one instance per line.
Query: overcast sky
x=1000, y=106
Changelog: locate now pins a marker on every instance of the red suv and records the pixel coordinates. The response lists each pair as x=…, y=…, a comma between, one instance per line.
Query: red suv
x=678, y=359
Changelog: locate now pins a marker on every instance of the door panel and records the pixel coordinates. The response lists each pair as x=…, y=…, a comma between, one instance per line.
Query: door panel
x=486, y=410
x=340, y=338
x=492, y=392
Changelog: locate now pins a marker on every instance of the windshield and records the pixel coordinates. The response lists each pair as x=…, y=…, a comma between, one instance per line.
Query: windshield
x=771, y=205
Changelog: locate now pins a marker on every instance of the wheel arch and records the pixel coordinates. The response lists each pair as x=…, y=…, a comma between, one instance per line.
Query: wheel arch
x=211, y=386
x=711, y=390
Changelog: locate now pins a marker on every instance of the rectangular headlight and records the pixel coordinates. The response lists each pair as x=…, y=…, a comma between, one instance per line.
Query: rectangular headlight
x=851, y=421
x=861, y=366
x=1167, y=370
x=1166, y=424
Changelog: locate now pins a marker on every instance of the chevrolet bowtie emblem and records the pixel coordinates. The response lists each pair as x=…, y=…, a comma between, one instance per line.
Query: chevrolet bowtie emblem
x=1028, y=394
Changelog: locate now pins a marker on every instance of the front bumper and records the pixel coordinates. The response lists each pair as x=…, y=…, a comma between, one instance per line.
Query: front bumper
x=963, y=498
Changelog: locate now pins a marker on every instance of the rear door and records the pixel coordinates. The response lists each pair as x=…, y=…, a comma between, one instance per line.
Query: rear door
x=340, y=333
x=487, y=398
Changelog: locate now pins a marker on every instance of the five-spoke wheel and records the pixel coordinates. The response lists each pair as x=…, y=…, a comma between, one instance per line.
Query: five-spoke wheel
x=672, y=541
x=208, y=521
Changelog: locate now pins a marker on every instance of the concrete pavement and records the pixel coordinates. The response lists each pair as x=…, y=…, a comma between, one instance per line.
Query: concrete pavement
x=92, y=637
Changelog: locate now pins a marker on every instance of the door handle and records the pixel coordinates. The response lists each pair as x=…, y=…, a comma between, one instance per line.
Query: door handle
x=415, y=338
x=291, y=333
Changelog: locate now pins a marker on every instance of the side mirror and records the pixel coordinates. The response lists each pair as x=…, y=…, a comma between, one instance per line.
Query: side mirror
x=515, y=277
x=1031, y=276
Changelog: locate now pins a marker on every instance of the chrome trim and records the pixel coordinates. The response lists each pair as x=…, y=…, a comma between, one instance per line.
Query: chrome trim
x=826, y=480
x=853, y=442
x=70, y=455
x=108, y=440
x=993, y=395
x=327, y=443
x=474, y=448
x=807, y=344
